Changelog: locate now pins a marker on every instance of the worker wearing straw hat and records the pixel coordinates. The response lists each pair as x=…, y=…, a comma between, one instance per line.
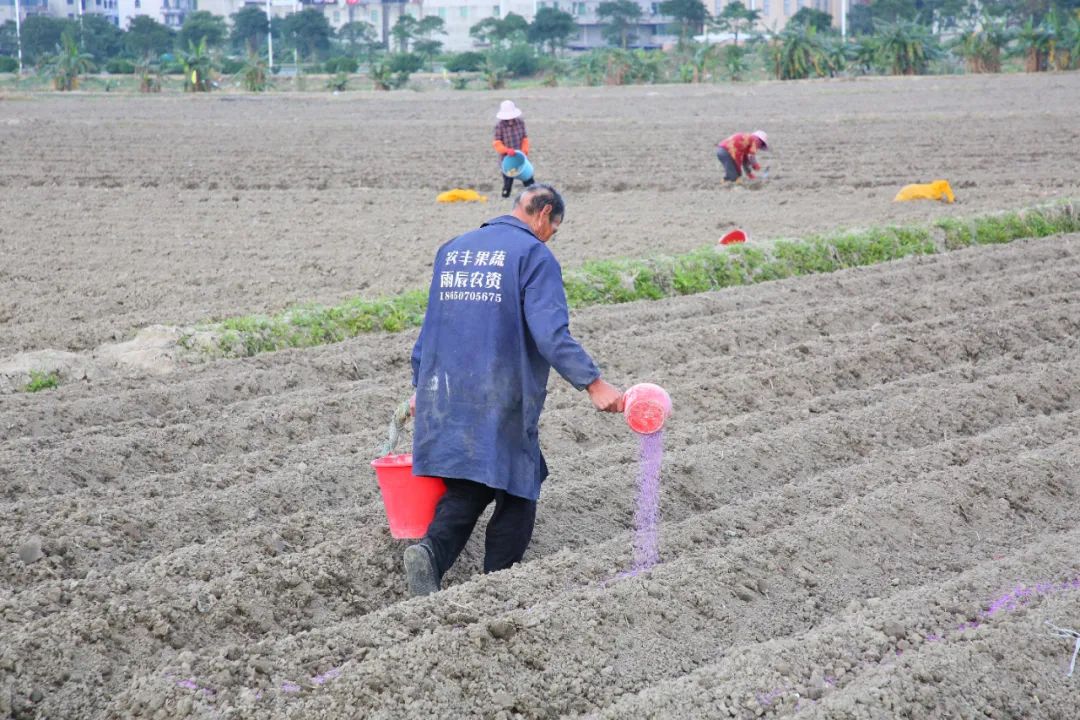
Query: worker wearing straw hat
x=510, y=136
x=738, y=153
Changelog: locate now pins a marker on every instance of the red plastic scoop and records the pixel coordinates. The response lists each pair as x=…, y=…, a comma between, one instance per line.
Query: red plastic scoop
x=646, y=407
x=735, y=236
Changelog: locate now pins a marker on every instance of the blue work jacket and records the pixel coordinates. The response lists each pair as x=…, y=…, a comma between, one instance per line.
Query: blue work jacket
x=496, y=323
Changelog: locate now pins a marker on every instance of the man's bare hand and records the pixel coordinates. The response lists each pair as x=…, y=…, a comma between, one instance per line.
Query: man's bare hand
x=412, y=405
x=605, y=396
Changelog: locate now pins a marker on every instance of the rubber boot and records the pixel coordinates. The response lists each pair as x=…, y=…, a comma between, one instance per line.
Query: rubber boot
x=420, y=573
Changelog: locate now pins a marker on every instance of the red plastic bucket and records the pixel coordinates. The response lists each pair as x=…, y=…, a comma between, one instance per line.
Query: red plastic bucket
x=646, y=407
x=735, y=236
x=409, y=500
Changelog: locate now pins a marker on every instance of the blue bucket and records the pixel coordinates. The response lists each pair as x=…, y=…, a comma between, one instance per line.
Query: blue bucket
x=517, y=166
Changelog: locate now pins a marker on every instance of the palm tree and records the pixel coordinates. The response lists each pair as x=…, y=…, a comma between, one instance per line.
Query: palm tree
x=864, y=54
x=255, y=73
x=836, y=54
x=554, y=70
x=495, y=72
x=905, y=47
x=197, y=67
x=981, y=47
x=1035, y=42
x=149, y=72
x=1069, y=45
x=382, y=75
x=591, y=65
x=1064, y=41
x=648, y=65
x=704, y=60
x=796, y=52
x=69, y=64
x=735, y=62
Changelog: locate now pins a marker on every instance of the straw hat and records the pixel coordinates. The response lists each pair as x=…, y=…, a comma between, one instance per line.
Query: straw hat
x=508, y=110
x=760, y=135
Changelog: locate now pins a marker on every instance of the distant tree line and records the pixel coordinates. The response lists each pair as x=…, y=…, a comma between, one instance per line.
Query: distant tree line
x=885, y=36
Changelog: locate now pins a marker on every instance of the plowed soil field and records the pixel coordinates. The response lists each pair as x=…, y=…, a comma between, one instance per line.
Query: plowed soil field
x=870, y=484
x=119, y=213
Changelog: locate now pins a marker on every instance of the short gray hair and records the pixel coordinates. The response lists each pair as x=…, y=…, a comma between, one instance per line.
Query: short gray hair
x=535, y=197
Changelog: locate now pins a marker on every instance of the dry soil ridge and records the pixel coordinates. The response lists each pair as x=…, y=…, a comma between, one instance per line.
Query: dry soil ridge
x=223, y=526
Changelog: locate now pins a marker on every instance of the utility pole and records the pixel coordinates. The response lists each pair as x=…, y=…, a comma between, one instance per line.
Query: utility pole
x=843, y=19
x=385, y=4
x=18, y=33
x=269, y=39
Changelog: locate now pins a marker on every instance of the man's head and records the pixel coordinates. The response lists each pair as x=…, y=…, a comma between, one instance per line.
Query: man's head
x=541, y=207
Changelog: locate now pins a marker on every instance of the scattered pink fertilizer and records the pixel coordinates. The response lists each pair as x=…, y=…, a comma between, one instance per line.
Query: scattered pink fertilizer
x=647, y=516
x=328, y=675
x=1009, y=602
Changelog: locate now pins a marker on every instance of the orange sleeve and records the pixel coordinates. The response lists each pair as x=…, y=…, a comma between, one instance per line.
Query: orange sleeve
x=499, y=147
x=525, y=145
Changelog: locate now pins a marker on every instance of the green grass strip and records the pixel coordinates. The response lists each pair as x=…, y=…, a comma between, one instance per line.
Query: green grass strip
x=606, y=282
x=996, y=229
x=308, y=325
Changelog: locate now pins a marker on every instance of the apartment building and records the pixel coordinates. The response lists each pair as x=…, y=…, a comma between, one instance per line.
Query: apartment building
x=70, y=9
x=26, y=8
x=775, y=13
x=652, y=30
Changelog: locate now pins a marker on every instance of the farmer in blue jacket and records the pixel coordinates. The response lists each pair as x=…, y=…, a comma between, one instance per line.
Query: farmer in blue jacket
x=496, y=323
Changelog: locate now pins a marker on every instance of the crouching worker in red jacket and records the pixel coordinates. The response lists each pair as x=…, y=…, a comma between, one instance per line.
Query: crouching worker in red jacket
x=738, y=153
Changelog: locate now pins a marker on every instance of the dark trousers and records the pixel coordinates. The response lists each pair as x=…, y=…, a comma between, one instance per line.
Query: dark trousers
x=508, y=532
x=731, y=170
x=508, y=184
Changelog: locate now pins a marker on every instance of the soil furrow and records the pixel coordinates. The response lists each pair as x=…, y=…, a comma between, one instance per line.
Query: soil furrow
x=600, y=647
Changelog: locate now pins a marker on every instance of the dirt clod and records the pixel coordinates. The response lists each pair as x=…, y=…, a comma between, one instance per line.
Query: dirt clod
x=501, y=629
x=30, y=551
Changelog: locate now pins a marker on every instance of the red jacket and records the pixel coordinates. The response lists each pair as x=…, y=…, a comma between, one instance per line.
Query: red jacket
x=741, y=148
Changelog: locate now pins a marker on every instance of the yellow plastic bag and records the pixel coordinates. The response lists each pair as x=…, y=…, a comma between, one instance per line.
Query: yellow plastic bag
x=937, y=190
x=460, y=195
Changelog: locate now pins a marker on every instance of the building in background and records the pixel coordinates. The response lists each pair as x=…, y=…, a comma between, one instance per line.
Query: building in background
x=458, y=15
x=34, y=7
x=652, y=29
x=775, y=13
x=70, y=9
x=167, y=12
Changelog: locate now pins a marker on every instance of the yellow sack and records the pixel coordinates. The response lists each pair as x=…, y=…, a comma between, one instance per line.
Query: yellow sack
x=460, y=195
x=937, y=190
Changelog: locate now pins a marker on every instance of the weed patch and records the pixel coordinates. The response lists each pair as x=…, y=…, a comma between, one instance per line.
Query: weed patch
x=40, y=380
